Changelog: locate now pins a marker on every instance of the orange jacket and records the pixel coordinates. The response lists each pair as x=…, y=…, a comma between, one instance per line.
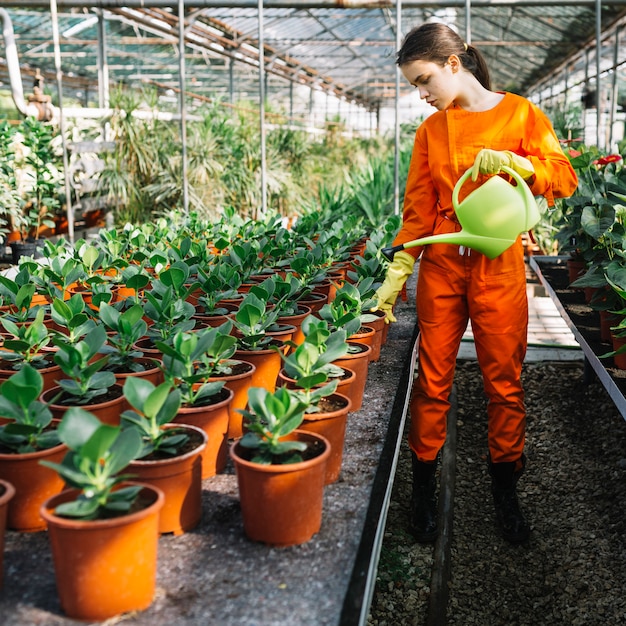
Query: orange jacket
x=446, y=144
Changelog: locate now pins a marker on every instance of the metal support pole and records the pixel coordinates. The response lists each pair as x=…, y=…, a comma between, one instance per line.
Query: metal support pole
x=311, y=117
x=598, y=58
x=103, y=65
x=231, y=81
x=181, y=102
x=468, y=22
x=586, y=88
x=66, y=162
x=262, y=110
x=396, y=163
x=614, y=86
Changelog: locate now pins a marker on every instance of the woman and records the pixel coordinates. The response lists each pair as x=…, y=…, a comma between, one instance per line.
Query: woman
x=474, y=127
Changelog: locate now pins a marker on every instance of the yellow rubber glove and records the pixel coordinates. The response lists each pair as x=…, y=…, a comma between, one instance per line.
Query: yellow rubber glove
x=491, y=162
x=398, y=271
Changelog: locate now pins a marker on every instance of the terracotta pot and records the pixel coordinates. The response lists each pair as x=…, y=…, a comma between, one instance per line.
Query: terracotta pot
x=332, y=425
x=380, y=335
x=146, y=345
x=213, y=419
x=619, y=360
x=180, y=480
x=296, y=322
x=7, y=491
x=34, y=484
x=192, y=298
x=108, y=411
x=50, y=375
x=589, y=293
x=323, y=287
x=283, y=332
x=315, y=301
x=607, y=320
x=152, y=371
x=267, y=363
x=239, y=382
x=122, y=292
x=366, y=336
x=216, y=320
x=282, y=504
x=336, y=282
x=105, y=567
x=85, y=293
x=575, y=268
x=358, y=362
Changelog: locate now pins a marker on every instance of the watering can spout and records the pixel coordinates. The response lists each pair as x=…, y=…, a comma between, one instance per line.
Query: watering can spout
x=491, y=217
x=491, y=247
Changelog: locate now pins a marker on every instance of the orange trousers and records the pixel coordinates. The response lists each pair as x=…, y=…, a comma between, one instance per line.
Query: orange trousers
x=453, y=288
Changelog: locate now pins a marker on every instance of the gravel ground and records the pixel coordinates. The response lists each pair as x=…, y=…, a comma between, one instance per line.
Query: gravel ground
x=572, y=571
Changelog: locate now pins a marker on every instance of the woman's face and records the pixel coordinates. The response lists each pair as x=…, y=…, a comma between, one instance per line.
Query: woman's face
x=435, y=83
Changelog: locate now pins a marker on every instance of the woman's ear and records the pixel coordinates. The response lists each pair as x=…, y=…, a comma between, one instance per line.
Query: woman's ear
x=454, y=62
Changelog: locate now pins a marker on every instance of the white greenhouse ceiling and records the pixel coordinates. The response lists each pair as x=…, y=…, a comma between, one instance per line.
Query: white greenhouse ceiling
x=343, y=48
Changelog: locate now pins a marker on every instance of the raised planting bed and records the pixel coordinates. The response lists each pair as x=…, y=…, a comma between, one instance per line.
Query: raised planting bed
x=584, y=323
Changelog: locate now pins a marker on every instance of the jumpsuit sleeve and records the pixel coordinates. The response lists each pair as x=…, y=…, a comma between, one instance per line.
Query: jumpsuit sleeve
x=554, y=175
x=420, y=199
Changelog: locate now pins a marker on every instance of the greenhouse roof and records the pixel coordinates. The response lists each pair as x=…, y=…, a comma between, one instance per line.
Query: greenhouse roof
x=343, y=48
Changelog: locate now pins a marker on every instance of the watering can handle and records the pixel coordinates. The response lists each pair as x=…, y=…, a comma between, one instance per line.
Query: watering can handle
x=389, y=253
x=459, y=183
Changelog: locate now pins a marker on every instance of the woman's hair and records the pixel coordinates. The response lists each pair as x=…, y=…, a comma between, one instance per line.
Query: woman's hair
x=436, y=42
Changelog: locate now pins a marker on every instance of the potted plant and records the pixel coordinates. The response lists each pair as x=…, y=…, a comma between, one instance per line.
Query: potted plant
x=85, y=385
x=58, y=273
x=19, y=296
x=189, y=361
x=71, y=319
x=284, y=295
x=218, y=365
x=166, y=312
x=586, y=215
x=39, y=183
x=27, y=436
x=308, y=369
x=170, y=455
x=103, y=530
x=280, y=470
x=26, y=344
x=252, y=322
x=125, y=329
x=219, y=284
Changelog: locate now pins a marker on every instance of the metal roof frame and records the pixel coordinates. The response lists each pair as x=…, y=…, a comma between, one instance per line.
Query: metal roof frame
x=345, y=49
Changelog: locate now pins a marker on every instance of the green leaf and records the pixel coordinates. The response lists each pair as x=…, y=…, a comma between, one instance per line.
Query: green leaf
x=77, y=427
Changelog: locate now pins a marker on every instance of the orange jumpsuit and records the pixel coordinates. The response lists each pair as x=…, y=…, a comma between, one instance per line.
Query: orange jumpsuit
x=455, y=286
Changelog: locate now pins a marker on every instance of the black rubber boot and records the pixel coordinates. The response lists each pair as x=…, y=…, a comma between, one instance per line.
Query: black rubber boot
x=423, y=515
x=504, y=476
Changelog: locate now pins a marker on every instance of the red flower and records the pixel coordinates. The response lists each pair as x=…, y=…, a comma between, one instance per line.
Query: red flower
x=611, y=158
x=573, y=153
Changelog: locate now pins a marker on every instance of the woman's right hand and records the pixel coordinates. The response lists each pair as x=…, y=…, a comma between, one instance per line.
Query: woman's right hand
x=397, y=273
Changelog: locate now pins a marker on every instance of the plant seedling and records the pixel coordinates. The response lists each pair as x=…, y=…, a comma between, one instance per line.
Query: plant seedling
x=29, y=427
x=98, y=453
x=271, y=417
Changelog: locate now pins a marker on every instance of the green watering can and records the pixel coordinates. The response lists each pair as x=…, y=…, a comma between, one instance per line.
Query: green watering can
x=491, y=217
